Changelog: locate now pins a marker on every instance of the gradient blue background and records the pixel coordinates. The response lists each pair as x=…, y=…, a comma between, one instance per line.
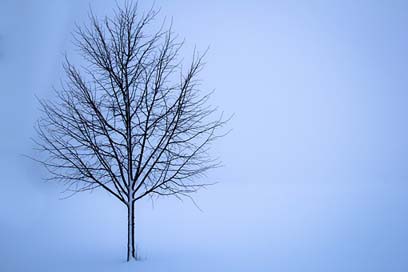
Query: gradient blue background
x=315, y=175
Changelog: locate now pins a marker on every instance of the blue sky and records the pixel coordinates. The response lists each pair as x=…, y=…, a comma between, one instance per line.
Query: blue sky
x=315, y=175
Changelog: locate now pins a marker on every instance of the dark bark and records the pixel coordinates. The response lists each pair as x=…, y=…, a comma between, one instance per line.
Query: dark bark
x=131, y=249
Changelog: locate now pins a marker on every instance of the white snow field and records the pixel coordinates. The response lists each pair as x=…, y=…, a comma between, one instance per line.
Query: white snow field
x=280, y=227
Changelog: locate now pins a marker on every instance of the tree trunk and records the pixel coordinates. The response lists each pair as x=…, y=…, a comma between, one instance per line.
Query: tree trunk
x=131, y=252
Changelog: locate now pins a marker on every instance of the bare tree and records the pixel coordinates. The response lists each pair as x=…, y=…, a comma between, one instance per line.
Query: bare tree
x=131, y=121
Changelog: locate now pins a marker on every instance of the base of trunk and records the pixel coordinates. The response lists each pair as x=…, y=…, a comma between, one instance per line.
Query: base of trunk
x=131, y=250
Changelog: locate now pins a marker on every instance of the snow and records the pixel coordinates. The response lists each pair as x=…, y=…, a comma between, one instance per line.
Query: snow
x=284, y=227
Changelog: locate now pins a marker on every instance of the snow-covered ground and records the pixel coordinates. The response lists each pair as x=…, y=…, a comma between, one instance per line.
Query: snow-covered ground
x=279, y=227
